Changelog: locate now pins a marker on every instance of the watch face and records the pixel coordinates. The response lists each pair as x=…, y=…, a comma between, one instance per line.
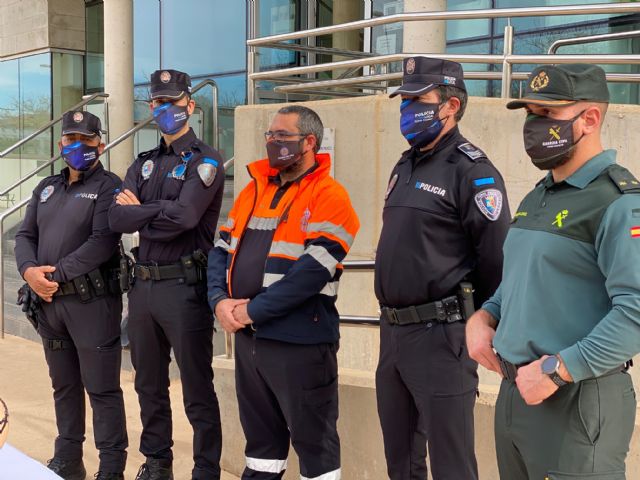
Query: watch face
x=549, y=365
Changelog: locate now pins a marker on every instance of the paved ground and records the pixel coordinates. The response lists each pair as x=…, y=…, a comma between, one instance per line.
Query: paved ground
x=26, y=388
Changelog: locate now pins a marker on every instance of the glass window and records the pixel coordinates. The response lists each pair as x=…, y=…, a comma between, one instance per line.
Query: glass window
x=94, y=59
x=535, y=23
x=387, y=39
x=277, y=16
x=9, y=106
x=458, y=29
x=146, y=36
x=204, y=36
x=478, y=88
x=25, y=105
x=35, y=103
x=67, y=81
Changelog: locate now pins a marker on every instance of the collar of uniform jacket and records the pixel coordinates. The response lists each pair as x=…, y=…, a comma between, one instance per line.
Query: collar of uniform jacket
x=588, y=172
x=261, y=169
x=182, y=144
x=278, y=181
x=84, y=176
x=417, y=156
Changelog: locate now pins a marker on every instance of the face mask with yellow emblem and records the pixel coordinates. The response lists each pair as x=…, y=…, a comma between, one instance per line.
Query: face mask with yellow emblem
x=549, y=142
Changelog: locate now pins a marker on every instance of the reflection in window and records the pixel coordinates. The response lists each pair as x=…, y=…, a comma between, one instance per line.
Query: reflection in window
x=25, y=105
x=94, y=59
x=277, y=16
x=146, y=37
x=213, y=40
x=387, y=39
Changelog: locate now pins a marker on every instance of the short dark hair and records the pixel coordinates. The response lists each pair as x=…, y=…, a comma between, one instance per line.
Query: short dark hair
x=309, y=122
x=447, y=91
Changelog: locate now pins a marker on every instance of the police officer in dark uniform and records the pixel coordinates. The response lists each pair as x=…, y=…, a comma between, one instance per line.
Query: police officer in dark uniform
x=445, y=219
x=172, y=196
x=68, y=255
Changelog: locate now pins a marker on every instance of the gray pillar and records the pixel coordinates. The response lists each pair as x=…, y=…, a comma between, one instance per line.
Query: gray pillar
x=118, y=78
x=425, y=37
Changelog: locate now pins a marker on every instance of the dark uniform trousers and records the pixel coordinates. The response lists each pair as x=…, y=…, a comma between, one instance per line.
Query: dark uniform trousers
x=581, y=431
x=83, y=351
x=287, y=392
x=426, y=386
x=168, y=314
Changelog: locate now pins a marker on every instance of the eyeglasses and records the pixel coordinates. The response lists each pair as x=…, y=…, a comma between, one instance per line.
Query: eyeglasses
x=281, y=135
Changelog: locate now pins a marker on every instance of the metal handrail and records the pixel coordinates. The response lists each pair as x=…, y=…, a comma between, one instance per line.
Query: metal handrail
x=148, y=120
x=507, y=59
x=597, y=9
x=354, y=81
x=605, y=37
x=484, y=59
x=3, y=216
x=51, y=123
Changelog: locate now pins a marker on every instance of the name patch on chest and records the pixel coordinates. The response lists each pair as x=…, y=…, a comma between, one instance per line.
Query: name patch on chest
x=90, y=196
x=431, y=188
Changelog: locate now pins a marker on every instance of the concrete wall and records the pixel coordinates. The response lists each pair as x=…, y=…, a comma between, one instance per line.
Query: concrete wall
x=28, y=25
x=367, y=145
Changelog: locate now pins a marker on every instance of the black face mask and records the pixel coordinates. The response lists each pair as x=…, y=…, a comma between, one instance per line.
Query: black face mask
x=549, y=142
x=284, y=154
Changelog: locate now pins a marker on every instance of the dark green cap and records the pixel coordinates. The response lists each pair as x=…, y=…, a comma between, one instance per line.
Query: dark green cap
x=563, y=85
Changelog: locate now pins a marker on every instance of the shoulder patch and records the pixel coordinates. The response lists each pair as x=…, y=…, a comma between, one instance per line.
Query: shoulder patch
x=623, y=179
x=471, y=151
x=489, y=202
x=207, y=171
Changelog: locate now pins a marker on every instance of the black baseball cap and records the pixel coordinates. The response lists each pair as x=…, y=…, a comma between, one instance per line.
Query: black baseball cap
x=564, y=85
x=169, y=84
x=84, y=123
x=423, y=74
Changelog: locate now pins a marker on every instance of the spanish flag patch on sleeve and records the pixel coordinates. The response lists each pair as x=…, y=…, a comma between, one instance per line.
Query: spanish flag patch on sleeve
x=635, y=231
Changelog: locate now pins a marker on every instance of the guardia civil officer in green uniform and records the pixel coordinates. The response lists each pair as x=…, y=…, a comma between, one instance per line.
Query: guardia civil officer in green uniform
x=566, y=318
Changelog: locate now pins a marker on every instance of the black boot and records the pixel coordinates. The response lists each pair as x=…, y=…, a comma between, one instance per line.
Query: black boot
x=67, y=469
x=108, y=476
x=155, y=469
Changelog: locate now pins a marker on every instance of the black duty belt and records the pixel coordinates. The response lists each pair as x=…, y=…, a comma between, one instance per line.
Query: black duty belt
x=93, y=284
x=510, y=370
x=447, y=310
x=164, y=272
x=158, y=272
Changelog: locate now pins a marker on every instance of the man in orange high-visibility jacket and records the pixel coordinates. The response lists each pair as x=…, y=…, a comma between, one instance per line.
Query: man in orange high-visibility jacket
x=273, y=279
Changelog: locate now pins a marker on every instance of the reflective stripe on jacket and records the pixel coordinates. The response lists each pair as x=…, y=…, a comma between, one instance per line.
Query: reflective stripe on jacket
x=314, y=226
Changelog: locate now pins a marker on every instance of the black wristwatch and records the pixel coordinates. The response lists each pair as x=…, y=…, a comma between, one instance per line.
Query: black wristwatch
x=551, y=367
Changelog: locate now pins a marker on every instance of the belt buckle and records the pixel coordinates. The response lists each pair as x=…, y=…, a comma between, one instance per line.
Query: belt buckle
x=154, y=271
x=449, y=310
x=143, y=272
x=392, y=316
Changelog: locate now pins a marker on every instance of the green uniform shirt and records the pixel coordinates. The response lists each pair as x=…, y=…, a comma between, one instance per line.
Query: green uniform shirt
x=571, y=276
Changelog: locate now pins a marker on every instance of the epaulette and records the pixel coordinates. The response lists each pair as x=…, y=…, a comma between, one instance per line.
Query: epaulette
x=623, y=179
x=148, y=153
x=471, y=151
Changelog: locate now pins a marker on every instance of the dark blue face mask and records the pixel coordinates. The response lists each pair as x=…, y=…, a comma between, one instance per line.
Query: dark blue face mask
x=419, y=122
x=79, y=156
x=170, y=117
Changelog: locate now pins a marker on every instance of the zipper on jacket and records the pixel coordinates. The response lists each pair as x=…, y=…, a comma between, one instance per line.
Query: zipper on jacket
x=233, y=260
